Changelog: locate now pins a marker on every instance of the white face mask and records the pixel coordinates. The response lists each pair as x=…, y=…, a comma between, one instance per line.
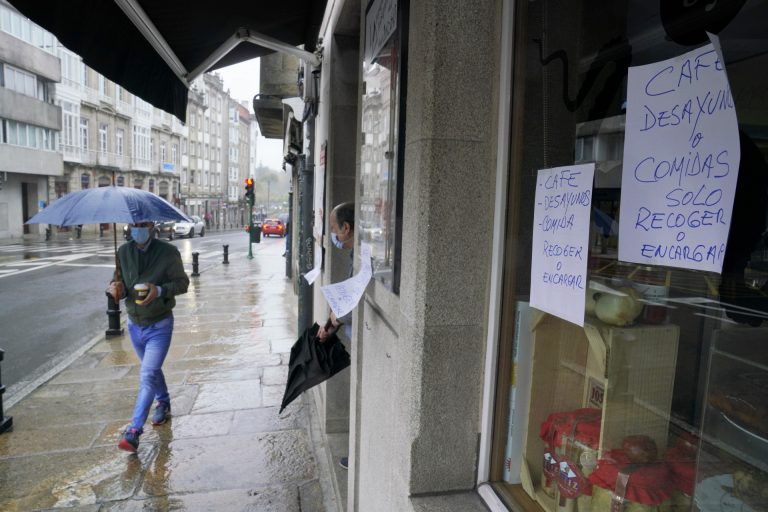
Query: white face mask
x=335, y=239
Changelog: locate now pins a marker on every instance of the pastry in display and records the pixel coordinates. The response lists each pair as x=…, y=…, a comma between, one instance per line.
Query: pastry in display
x=751, y=486
x=744, y=400
x=640, y=449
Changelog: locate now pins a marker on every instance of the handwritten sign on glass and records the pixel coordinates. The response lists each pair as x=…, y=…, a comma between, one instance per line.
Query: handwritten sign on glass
x=561, y=240
x=343, y=297
x=681, y=161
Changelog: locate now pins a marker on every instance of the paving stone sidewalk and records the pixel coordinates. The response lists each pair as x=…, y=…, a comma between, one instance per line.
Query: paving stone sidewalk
x=225, y=447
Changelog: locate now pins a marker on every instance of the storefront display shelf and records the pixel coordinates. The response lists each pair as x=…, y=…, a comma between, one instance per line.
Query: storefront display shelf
x=625, y=372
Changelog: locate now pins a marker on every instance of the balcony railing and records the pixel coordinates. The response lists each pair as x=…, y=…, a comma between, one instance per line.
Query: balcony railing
x=141, y=164
x=125, y=108
x=112, y=160
x=91, y=95
x=93, y=157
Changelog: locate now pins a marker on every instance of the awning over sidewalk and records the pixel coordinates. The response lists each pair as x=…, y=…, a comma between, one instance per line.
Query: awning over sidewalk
x=155, y=48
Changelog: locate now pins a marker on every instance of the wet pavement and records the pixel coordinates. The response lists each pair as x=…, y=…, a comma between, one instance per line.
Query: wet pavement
x=225, y=446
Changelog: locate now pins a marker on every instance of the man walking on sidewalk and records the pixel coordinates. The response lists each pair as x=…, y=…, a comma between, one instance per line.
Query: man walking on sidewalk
x=151, y=275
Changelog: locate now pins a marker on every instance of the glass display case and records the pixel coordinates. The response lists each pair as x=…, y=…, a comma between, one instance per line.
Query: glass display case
x=732, y=472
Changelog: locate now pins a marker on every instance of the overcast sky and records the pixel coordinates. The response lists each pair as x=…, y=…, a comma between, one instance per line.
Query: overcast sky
x=242, y=80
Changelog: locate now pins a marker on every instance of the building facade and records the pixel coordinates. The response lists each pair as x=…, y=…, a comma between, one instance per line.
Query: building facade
x=30, y=121
x=65, y=128
x=206, y=184
x=437, y=120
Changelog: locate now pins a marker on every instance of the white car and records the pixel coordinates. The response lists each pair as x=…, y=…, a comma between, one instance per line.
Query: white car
x=190, y=228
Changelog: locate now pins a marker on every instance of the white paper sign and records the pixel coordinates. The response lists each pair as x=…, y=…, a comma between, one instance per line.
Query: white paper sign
x=343, y=297
x=312, y=274
x=561, y=240
x=681, y=162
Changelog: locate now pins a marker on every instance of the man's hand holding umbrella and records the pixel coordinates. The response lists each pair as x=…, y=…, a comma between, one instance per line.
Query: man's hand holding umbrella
x=116, y=290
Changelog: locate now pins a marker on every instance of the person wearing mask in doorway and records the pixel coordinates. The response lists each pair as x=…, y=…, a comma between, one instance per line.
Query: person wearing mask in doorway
x=342, y=223
x=156, y=267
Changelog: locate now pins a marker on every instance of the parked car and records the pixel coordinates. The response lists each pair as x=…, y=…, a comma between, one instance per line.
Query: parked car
x=190, y=228
x=165, y=229
x=273, y=227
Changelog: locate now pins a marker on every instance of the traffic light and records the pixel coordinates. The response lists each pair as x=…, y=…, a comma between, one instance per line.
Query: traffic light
x=249, y=189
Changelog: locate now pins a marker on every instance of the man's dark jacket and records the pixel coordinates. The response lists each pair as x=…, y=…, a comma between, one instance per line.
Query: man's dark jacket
x=160, y=265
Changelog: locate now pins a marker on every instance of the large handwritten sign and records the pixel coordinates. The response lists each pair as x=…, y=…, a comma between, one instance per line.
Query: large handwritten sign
x=561, y=240
x=343, y=297
x=681, y=161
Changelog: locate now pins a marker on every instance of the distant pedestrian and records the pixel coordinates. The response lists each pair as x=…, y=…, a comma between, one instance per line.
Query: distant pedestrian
x=151, y=275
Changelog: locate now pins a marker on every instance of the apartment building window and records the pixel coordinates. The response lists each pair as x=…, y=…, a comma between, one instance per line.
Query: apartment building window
x=120, y=181
x=20, y=27
x=84, y=133
x=163, y=152
x=141, y=142
x=184, y=177
x=152, y=148
x=119, y=134
x=175, y=153
x=103, y=128
x=102, y=85
x=192, y=177
x=25, y=135
x=70, y=114
x=118, y=92
x=71, y=68
x=23, y=82
x=152, y=185
x=85, y=181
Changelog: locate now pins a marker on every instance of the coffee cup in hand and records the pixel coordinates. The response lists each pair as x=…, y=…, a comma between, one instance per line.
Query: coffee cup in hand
x=142, y=290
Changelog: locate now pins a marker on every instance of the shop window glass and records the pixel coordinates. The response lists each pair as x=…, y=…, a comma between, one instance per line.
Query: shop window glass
x=379, y=216
x=659, y=401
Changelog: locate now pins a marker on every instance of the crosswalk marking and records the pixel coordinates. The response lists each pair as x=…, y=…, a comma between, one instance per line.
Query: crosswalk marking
x=39, y=264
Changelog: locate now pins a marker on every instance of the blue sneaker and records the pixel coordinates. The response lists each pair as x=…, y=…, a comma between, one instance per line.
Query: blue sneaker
x=344, y=462
x=162, y=411
x=130, y=440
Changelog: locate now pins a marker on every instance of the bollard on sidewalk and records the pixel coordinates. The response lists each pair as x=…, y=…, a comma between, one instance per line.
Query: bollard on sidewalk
x=195, y=273
x=113, y=313
x=226, y=255
x=6, y=422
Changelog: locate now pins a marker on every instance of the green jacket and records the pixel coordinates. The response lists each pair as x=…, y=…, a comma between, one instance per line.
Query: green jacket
x=160, y=265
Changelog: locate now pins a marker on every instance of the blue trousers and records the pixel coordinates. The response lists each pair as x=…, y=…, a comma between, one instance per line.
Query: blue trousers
x=151, y=344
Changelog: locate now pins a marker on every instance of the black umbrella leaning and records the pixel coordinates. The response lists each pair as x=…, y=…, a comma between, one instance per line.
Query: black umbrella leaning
x=108, y=205
x=313, y=362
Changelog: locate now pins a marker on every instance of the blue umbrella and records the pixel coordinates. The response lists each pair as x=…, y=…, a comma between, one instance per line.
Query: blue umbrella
x=107, y=205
